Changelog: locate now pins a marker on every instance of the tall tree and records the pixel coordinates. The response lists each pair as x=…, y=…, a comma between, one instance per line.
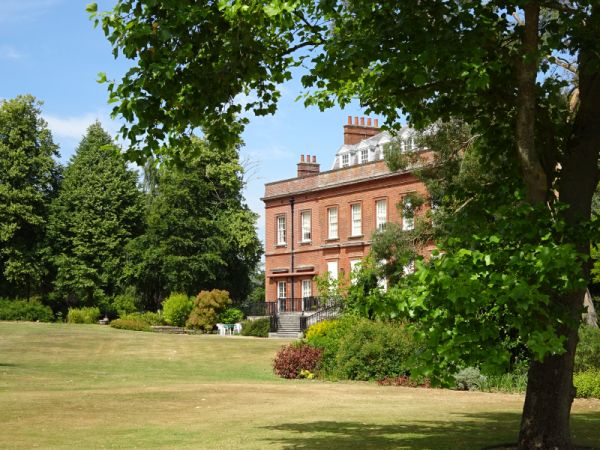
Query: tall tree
x=29, y=176
x=98, y=211
x=199, y=234
x=491, y=63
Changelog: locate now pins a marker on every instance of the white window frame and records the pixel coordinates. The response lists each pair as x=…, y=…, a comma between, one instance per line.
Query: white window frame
x=382, y=283
x=281, y=230
x=345, y=160
x=332, y=223
x=354, y=268
x=333, y=270
x=364, y=155
x=409, y=268
x=408, y=223
x=281, y=290
x=356, y=218
x=306, y=289
x=380, y=214
x=305, y=226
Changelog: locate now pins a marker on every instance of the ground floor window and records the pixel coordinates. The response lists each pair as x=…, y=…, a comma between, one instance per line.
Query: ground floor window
x=281, y=289
x=306, y=288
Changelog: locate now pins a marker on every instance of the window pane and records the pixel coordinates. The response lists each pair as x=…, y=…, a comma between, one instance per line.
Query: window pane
x=281, y=289
x=408, y=221
x=281, y=230
x=364, y=155
x=356, y=220
x=381, y=214
x=305, y=219
x=333, y=223
x=306, y=288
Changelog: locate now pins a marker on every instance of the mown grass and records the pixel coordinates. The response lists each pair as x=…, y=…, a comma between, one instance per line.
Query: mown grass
x=87, y=386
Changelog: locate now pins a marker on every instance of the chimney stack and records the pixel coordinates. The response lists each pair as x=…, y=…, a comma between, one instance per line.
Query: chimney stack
x=354, y=133
x=306, y=167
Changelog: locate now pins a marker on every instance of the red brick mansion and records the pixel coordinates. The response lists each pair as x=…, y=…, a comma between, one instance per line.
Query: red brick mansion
x=321, y=222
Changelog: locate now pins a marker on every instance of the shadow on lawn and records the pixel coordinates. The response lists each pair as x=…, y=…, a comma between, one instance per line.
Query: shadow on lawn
x=468, y=431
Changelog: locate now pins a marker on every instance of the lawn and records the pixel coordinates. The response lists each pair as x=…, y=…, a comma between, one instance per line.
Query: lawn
x=88, y=386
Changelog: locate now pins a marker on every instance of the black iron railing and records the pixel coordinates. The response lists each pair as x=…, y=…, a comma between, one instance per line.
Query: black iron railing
x=286, y=305
x=330, y=309
x=259, y=309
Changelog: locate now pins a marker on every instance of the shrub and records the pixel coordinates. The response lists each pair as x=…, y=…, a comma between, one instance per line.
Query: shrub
x=292, y=359
x=177, y=309
x=374, y=350
x=134, y=324
x=587, y=383
x=125, y=303
x=231, y=315
x=27, y=310
x=206, y=309
x=151, y=318
x=321, y=329
x=587, y=355
x=327, y=335
x=469, y=379
x=83, y=315
x=512, y=382
x=257, y=328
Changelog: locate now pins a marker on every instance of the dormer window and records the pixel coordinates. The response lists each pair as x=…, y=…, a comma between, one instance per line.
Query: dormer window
x=345, y=160
x=364, y=155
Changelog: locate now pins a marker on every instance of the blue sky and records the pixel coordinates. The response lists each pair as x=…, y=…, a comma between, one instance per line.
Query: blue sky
x=50, y=49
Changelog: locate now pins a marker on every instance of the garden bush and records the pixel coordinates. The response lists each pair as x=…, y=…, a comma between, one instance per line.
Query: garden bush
x=134, y=324
x=587, y=383
x=514, y=382
x=469, y=379
x=27, y=310
x=327, y=335
x=587, y=355
x=207, y=307
x=257, y=328
x=294, y=359
x=374, y=350
x=231, y=315
x=125, y=303
x=151, y=318
x=83, y=315
x=177, y=309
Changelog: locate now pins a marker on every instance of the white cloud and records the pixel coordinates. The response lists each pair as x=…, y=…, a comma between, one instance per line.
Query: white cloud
x=12, y=11
x=10, y=52
x=74, y=127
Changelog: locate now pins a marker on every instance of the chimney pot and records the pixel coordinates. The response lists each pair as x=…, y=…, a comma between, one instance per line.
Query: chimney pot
x=362, y=121
x=355, y=120
x=314, y=160
x=307, y=158
x=376, y=123
x=349, y=120
x=301, y=158
x=368, y=121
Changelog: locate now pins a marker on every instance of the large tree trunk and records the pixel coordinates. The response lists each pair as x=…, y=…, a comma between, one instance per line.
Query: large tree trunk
x=590, y=318
x=550, y=391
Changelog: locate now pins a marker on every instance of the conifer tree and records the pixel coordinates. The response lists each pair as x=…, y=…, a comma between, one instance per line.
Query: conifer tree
x=98, y=210
x=29, y=176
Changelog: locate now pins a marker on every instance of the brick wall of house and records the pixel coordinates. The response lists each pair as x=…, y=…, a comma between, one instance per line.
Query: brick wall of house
x=315, y=193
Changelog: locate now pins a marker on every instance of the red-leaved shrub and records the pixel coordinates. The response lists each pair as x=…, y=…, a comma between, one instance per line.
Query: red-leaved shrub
x=292, y=359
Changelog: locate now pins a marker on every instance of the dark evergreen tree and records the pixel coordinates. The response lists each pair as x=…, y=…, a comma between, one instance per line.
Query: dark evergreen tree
x=199, y=233
x=29, y=176
x=98, y=211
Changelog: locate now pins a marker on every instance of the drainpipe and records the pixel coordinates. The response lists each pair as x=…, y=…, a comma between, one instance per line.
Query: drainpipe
x=292, y=201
